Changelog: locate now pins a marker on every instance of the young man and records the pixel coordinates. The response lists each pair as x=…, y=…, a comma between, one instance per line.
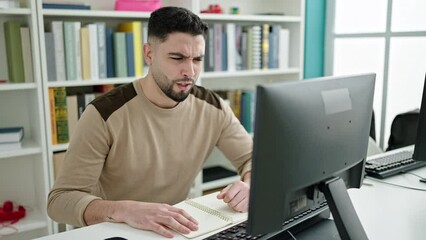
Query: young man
x=138, y=148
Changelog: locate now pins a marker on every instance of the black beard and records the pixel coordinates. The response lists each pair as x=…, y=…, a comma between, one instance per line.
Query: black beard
x=167, y=89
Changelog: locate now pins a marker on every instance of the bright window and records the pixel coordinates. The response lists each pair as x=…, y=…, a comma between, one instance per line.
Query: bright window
x=364, y=36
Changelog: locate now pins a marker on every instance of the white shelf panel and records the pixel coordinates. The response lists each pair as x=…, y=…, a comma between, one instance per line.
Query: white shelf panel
x=249, y=18
x=95, y=13
x=17, y=86
x=219, y=183
x=32, y=221
x=249, y=73
x=15, y=11
x=76, y=83
x=29, y=147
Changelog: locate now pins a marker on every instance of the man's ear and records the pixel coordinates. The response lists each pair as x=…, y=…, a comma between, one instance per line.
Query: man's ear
x=147, y=53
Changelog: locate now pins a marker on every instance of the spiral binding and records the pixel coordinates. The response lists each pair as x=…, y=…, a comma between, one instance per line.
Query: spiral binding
x=209, y=211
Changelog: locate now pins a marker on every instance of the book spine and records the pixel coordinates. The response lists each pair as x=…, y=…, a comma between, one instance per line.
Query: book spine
x=85, y=53
x=58, y=36
x=72, y=114
x=70, y=51
x=130, y=54
x=61, y=114
x=27, y=55
x=284, y=48
x=52, y=115
x=15, y=63
x=93, y=42
x=50, y=56
x=102, y=50
x=109, y=52
x=120, y=61
x=66, y=6
x=77, y=27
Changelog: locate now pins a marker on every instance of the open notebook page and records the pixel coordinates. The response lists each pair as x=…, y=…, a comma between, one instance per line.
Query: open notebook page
x=211, y=214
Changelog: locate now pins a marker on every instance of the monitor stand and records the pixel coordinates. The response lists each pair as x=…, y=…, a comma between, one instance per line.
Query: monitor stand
x=344, y=214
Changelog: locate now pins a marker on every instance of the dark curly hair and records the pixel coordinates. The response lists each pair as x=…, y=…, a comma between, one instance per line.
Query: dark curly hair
x=168, y=20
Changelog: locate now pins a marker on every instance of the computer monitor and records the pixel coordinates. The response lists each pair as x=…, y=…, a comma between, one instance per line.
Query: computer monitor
x=420, y=145
x=310, y=145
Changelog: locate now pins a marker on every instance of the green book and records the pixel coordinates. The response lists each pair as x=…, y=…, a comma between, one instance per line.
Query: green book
x=15, y=62
x=120, y=56
x=61, y=114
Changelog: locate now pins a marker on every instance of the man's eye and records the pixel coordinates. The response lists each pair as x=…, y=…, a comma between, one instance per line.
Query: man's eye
x=176, y=58
x=198, y=59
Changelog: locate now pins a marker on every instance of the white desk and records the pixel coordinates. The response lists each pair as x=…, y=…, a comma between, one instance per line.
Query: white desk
x=386, y=212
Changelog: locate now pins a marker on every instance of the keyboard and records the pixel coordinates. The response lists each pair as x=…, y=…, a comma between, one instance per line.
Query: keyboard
x=238, y=231
x=391, y=165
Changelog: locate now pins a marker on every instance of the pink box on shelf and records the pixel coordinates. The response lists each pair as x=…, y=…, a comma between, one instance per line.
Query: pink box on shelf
x=137, y=5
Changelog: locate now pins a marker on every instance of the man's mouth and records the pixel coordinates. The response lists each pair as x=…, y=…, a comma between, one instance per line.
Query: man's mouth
x=184, y=85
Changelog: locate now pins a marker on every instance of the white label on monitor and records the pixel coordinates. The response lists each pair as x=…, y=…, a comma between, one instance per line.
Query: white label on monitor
x=336, y=100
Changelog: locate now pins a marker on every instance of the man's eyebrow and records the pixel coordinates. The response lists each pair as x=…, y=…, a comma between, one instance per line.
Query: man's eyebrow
x=183, y=56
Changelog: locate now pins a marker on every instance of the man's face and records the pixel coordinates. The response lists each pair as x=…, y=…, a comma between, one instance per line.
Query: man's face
x=176, y=64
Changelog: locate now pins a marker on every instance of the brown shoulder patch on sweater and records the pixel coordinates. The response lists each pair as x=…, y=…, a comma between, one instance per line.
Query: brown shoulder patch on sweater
x=206, y=95
x=108, y=103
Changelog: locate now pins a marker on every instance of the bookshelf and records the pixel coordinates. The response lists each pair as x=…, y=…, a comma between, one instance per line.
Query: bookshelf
x=24, y=171
x=288, y=14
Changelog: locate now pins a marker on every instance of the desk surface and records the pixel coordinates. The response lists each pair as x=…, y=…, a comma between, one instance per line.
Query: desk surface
x=386, y=211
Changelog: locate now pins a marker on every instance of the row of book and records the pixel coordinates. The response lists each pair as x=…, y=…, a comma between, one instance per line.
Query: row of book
x=66, y=108
x=242, y=103
x=94, y=51
x=18, y=52
x=232, y=46
x=11, y=138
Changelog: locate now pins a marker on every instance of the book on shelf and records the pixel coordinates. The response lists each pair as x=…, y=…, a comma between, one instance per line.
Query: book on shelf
x=66, y=6
x=61, y=115
x=72, y=114
x=109, y=44
x=211, y=213
x=27, y=54
x=94, y=51
x=85, y=53
x=50, y=56
x=284, y=48
x=70, y=49
x=11, y=134
x=4, y=4
x=120, y=59
x=135, y=27
x=57, y=28
x=102, y=58
x=10, y=146
x=130, y=54
x=52, y=116
x=15, y=62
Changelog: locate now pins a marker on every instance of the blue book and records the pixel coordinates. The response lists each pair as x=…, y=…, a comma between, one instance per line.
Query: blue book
x=109, y=52
x=11, y=134
x=66, y=6
x=130, y=54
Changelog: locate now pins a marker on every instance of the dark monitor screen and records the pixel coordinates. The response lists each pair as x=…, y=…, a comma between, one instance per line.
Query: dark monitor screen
x=306, y=134
x=420, y=145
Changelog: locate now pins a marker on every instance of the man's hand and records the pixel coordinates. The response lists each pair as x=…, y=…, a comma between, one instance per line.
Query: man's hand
x=237, y=194
x=156, y=217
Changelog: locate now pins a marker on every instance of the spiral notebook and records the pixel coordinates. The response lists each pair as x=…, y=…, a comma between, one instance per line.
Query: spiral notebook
x=211, y=213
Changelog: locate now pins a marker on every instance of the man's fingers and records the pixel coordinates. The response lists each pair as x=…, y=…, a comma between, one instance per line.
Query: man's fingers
x=185, y=219
x=163, y=231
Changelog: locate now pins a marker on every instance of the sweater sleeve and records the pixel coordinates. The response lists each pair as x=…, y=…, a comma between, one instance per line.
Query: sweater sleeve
x=234, y=142
x=76, y=184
